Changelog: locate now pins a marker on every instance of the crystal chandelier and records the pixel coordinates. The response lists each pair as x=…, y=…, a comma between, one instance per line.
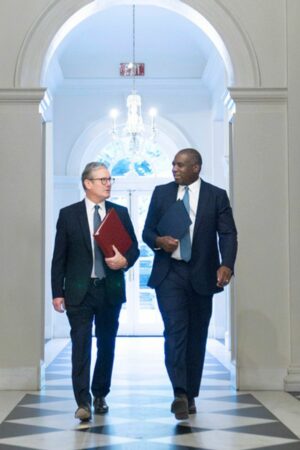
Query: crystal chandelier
x=134, y=130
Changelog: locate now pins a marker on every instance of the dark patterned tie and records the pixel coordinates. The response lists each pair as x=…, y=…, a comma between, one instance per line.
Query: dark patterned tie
x=99, y=265
x=185, y=241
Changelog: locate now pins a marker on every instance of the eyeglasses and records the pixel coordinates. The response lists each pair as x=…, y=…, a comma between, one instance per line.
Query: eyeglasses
x=104, y=181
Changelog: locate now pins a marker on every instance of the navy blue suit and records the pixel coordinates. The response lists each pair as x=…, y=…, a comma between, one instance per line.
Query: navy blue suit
x=86, y=300
x=184, y=290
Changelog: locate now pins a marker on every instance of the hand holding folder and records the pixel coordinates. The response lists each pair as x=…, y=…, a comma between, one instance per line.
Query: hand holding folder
x=175, y=222
x=112, y=232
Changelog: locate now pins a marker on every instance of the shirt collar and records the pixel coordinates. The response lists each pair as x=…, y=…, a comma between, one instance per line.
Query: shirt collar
x=193, y=187
x=91, y=205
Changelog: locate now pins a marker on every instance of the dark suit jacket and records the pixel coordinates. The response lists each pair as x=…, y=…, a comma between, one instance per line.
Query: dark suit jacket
x=73, y=259
x=214, y=233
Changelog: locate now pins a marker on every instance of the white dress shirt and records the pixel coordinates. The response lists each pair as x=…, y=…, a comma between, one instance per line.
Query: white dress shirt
x=90, y=209
x=194, y=192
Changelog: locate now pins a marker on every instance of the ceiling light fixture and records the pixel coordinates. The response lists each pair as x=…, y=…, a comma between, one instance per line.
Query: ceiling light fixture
x=134, y=129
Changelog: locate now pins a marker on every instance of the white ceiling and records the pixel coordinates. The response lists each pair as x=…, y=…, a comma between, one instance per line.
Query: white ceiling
x=168, y=44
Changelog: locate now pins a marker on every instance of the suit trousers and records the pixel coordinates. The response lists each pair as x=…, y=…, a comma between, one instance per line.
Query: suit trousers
x=94, y=308
x=186, y=316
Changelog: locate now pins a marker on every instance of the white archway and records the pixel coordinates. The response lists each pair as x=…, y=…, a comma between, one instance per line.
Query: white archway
x=227, y=35
x=231, y=41
x=58, y=20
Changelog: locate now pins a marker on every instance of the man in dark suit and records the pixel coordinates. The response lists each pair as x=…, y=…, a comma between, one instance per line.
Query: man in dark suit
x=90, y=287
x=187, y=272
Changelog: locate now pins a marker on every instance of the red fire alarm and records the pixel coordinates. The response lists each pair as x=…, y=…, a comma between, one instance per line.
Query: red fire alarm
x=132, y=69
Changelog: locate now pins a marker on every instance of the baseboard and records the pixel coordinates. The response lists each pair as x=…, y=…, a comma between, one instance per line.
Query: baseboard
x=292, y=380
x=22, y=378
x=261, y=379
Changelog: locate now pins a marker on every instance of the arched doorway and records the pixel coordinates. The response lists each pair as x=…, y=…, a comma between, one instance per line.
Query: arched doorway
x=240, y=51
x=192, y=105
x=136, y=174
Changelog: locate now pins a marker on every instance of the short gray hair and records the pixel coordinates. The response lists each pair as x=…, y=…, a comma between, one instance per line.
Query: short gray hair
x=89, y=168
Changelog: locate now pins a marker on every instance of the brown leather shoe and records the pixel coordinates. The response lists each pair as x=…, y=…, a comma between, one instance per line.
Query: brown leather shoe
x=83, y=413
x=100, y=405
x=192, y=406
x=179, y=407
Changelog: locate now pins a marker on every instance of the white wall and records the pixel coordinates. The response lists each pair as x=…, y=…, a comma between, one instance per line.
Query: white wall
x=262, y=37
x=292, y=381
x=264, y=22
x=21, y=238
x=260, y=179
x=15, y=23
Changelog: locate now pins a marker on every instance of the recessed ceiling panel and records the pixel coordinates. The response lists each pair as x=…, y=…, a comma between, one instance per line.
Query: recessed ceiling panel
x=168, y=44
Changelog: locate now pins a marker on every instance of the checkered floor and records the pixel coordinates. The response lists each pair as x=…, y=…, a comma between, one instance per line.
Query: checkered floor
x=139, y=417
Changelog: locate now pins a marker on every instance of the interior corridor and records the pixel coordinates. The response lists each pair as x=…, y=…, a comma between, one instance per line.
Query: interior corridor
x=139, y=416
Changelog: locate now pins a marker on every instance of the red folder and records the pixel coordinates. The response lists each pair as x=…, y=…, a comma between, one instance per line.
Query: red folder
x=112, y=232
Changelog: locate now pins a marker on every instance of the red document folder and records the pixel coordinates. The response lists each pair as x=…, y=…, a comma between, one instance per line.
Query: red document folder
x=112, y=232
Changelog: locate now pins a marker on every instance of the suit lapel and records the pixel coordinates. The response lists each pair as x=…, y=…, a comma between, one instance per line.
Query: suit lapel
x=108, y=206
x=202, y=204
x=173, y=195
x=83, y=219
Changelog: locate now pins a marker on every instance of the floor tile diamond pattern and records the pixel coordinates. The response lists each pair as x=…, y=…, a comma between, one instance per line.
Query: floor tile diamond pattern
x=140, y=418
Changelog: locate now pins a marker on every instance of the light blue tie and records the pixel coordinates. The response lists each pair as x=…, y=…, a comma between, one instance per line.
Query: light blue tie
x=185, y=241
x=99, y=265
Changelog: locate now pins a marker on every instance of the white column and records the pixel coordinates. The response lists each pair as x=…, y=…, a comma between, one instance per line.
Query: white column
x=21, y=239
x=220, y=178
x=292, y=381
x=260, y=200
x=49, y=234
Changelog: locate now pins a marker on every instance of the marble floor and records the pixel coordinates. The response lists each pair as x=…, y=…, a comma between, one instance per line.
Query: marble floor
x=139, y=416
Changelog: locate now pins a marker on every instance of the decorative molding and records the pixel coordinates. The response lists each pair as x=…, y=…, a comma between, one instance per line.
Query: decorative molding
x=246, y=39
x=59, y=18
x=292, y=380
x=36, y=44
x=46, y=106
x=228, y=103
x=241, y=51
x=254, y=95
x=11, y=95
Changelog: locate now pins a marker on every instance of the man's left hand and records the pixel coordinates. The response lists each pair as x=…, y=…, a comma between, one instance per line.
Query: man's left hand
x=224, y=275
x=116, y=262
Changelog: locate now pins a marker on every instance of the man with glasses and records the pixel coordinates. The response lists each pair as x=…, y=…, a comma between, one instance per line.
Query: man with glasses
x=90, y=287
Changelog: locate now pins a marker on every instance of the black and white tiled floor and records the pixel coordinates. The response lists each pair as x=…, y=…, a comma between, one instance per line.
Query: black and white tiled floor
x=140, y=418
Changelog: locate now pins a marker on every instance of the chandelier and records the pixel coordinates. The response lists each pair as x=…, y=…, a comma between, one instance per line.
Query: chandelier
x=134, y=129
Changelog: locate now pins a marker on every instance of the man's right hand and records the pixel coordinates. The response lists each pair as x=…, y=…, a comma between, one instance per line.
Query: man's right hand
x=167, y=243
x=59, y=304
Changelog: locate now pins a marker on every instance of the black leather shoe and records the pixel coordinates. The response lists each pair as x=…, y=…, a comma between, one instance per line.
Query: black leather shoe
x=83, y=413
x=192, y=406
x=100, y=405
x=179, y=407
